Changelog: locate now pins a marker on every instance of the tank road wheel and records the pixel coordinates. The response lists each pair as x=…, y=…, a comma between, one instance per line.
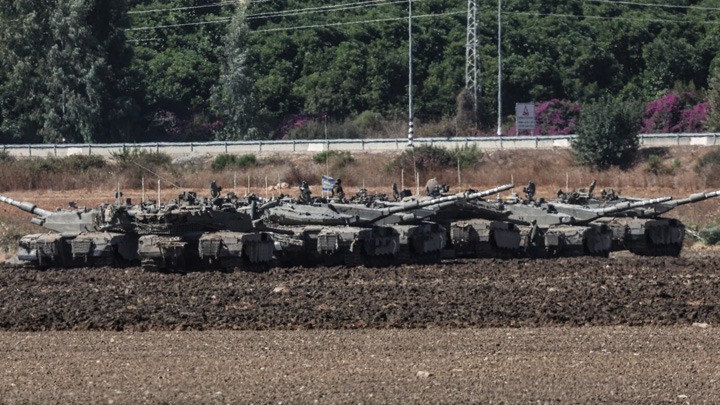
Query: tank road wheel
x=353, y=259
x=484, y=250
x=150, y=266
x=674, y=249
x=403, y=256
x=644, y=247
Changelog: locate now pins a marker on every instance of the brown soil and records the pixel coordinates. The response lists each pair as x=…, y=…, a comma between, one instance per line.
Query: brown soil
x=623, y=290
x=396, y=335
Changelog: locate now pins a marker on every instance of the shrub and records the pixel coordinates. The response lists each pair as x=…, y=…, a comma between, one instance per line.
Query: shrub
x=5, y=156
x=468, y=155
x=83, y=163
x=426, y=157
x=675, y=112
x=557, y=117
x=131, y=156
x=337, y=158
x=710, y=235
x=607, y=134
x=227, y=161
x=708, y=168
x=317, y=130
x=657, y=166
x=368, y=121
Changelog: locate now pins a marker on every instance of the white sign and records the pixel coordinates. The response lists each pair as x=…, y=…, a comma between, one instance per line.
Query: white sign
x=327, y=183
x=525, y=117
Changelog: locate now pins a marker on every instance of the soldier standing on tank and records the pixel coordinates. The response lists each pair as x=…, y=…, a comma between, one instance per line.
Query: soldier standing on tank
x=337, y=190
x=304, y=192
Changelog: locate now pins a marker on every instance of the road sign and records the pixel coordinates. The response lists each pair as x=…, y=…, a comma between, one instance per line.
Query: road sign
x=525, y=117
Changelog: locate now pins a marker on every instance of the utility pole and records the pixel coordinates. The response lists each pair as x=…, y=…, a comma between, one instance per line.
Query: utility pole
x=411, y=131
x=472, y=68
x=499, y=95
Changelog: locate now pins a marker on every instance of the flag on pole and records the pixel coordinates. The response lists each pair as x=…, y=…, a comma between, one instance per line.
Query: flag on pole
x=327, y=183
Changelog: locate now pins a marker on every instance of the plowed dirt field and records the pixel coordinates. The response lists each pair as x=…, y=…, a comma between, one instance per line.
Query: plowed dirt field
x=624, y=329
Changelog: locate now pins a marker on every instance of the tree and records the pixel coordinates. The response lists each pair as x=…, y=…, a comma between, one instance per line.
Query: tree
x=23, y=40
x=607, y=134
x=64, y=65
x=233, y=99
x=713, y=120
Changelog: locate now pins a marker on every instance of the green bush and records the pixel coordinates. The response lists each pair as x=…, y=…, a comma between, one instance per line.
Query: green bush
x=708, y=168
x=336, y=158
x=607, y=134
x=426, y=157
x=335, y=130
x=228, y=161
x=5, y=157
x=132, y=156
x=369, y=121
x=41, y=165
x=468, y=155
x=83, y=163
x=656, y=166
x=710, y=235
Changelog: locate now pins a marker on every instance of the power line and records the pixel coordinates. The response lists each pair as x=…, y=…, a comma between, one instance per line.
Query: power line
x=221, y=20
x=358, y=22
x=630, y=3
x=349, y=6
x=320, y=9
x=284, y=13
x=159, y=10
x=596, y=17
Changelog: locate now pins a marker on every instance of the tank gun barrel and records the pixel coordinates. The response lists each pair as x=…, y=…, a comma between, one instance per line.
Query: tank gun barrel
x=26, y=206
x=694, y=198
x=628, y=205
x=386, y=212
x=481, y=194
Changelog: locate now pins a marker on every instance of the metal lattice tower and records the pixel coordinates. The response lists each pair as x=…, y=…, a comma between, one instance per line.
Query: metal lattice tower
x=472, y=67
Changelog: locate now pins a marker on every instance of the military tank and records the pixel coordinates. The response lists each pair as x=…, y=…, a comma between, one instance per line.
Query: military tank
x=473, y=227
x=217, y=233
x=546, y=230
x=78, y=236
x=643, y=230
x=358, y=234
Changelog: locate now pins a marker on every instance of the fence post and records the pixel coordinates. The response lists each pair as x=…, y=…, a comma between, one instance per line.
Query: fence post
x=226, y=147
x=157, y=148
x=55, y=149
x=30, y=150
x=89, y=149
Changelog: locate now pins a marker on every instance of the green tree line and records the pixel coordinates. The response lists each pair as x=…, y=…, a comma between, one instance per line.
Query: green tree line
x=181, y=70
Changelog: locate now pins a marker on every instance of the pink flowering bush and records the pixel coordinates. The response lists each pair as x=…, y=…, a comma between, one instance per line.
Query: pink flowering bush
x=675, y=112
x=557, y=117
x=554, y=117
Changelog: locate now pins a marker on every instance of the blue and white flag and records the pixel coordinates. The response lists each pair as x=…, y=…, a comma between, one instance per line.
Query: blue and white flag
x=327, y=183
